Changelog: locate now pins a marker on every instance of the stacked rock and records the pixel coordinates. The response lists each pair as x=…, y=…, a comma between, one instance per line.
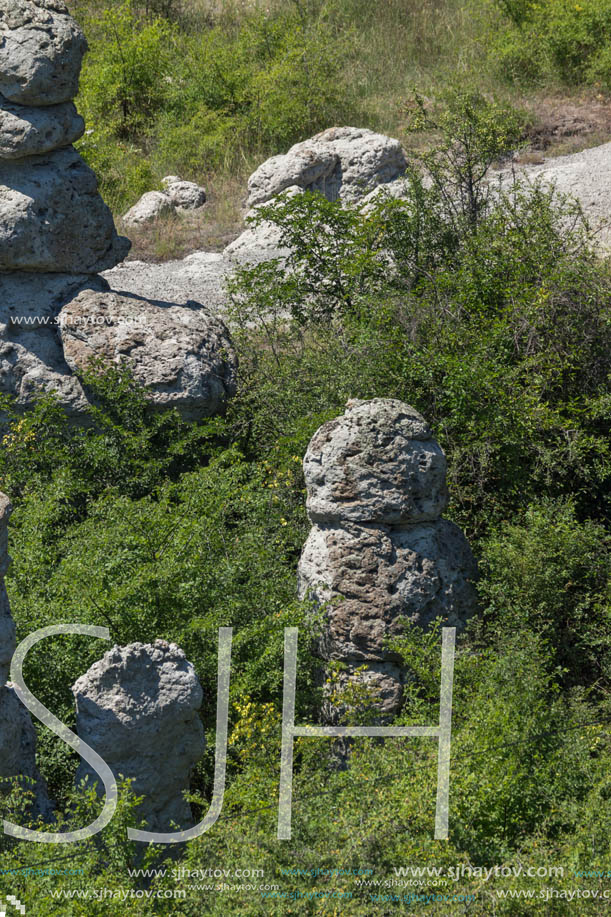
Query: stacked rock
x=379, y=552
x=17, y=734
x=56, y=234
x=137, y=707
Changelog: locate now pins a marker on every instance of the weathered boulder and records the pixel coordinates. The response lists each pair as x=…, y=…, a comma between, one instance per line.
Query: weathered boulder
x=150, y=207
x=31, y=131
x=178, y=196
x=53, y=219
x=341, y=162
x=7, y=625
x=184, y=195
x=376, y=463
x=378, y=554
x=137, y=707
x=41, y=50
x=31, y=355
x=18, y=750
x=261, y=241
x=182, y=354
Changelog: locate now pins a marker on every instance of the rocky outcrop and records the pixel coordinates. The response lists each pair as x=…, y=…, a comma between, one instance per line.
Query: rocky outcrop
x=17, y=734
x=379, y=552
x=138, y=708
x=341, y=162
x=56, y=235
x=182, y=354
x=41, y=50
x=178, y=197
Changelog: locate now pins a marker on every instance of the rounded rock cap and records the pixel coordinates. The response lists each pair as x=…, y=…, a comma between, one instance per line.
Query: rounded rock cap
x=41, y=51
x=376, y=463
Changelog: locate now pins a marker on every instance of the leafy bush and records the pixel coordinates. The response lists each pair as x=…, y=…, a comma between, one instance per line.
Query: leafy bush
x=566, y=40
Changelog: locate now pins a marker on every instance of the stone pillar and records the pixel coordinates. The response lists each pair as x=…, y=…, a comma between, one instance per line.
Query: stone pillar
x=138, y=708
x=378, y=550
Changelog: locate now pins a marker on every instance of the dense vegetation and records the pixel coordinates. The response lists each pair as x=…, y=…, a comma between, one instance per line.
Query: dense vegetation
x=206, y=90
x=488, y=310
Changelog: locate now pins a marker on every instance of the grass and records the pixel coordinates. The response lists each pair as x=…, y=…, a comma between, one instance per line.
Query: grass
x=391, y=48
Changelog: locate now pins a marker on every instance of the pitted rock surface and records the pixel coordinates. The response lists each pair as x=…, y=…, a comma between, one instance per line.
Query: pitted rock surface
x=41, y=50
x=30, y=131
x=378, y=462
x=341, y=162
x=53, y=219
x=182, y=354
x=379, y=556
x=138, y=708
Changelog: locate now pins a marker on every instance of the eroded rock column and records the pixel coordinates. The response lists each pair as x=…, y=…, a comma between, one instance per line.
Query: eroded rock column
x=57, y=235
x=138, y=708
x=379, y=550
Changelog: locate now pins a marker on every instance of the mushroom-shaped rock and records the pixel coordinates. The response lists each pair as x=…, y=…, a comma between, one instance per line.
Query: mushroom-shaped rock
x=378, y=556
x=138, y=708
x=41, y=50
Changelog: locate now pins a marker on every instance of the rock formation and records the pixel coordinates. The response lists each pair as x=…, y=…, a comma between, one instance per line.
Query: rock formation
x=17, y=734
x=183, y=354
x=378, y=550
x=137, y=707
x=341, y=162
x=56, y=234
x=178, y=197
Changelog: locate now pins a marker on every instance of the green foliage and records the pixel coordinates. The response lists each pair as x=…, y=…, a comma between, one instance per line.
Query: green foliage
x=552, y=576
x=561, y=38
x=496, y=329
x=157, y=98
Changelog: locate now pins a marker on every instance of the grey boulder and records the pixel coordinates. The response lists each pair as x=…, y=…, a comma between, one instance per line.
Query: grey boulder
x=341, y=162
x=41, y=50
x=182, y=354
x=53, y=219
x=31, y=131
x=150, y=207
x=138, y=708
x=184, y=195
x=31, y=355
